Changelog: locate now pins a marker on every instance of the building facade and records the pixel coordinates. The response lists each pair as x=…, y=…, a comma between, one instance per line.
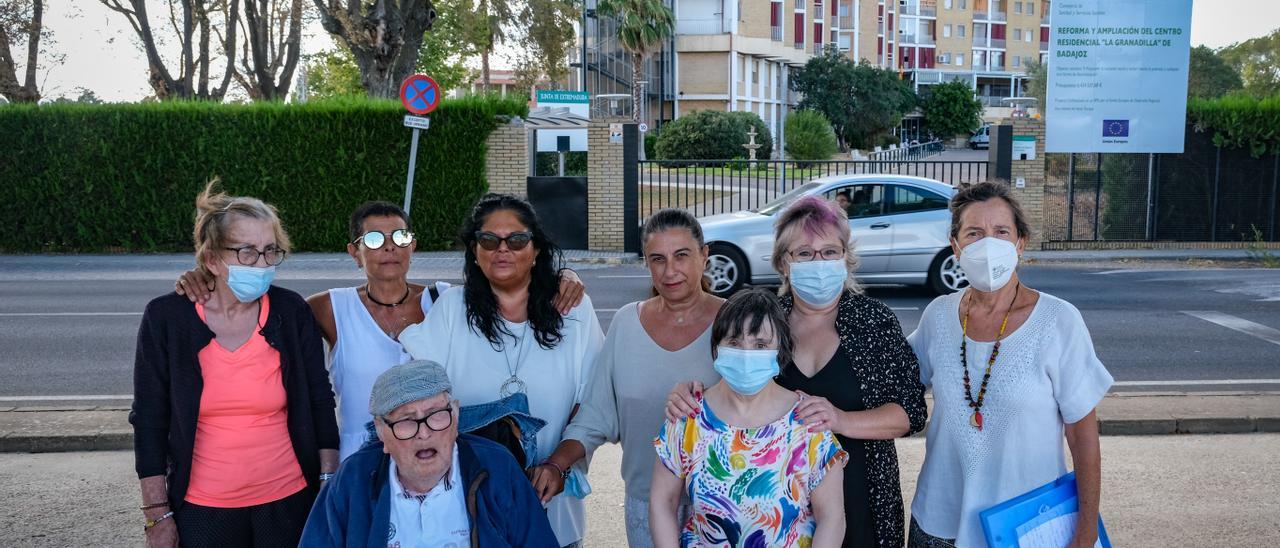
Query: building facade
x=738, y=55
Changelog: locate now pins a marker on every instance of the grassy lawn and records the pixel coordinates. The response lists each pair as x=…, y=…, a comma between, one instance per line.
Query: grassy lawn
x=653, y=198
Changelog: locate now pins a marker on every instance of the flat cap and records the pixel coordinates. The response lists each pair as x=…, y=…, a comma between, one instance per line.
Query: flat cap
x=407, y=382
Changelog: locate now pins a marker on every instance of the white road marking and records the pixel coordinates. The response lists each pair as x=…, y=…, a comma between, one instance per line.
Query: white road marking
x=1242, y=325
x=60, y=314
x=1207, y=382
x=94, y=397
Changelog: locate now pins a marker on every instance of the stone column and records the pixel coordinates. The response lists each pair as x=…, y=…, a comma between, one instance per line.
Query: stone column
x=507, y=159
x=1032, y=175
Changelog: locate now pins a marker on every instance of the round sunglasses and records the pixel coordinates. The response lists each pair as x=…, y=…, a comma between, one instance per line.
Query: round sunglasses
x=515, y=241
x=374, y=239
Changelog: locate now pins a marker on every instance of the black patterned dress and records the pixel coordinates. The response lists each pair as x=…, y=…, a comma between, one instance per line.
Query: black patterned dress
x=885, y=369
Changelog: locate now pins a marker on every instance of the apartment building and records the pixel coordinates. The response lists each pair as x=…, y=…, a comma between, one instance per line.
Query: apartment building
x=738, y=55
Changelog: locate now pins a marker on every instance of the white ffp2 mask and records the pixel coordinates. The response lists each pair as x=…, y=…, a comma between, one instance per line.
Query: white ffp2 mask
x=989, y=263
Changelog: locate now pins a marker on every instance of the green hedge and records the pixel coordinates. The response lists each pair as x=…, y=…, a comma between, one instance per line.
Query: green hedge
x=125, y=177
x=712, y=135
x=1239, y=122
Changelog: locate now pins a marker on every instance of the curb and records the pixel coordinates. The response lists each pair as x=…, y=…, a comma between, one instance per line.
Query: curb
x=123, y=440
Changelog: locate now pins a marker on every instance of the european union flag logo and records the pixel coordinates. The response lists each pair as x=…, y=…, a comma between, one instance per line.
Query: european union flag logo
x=1115, y=128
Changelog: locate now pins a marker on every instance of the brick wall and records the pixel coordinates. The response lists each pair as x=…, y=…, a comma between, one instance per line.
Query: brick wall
x=507, y=163
x=1033, y=174
x=605, y=226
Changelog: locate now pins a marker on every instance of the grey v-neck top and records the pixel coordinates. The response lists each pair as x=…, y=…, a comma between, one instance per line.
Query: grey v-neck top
x=627, y=393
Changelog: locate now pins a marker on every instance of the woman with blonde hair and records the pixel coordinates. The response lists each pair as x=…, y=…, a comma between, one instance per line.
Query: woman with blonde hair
x=233, y=414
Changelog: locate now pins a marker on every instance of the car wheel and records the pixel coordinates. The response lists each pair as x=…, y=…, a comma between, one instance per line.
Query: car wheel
x=945, y=275
x=726, y=269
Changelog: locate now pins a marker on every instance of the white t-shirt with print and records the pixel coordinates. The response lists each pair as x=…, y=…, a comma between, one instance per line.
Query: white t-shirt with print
x=437, y=521
x=1047, y=375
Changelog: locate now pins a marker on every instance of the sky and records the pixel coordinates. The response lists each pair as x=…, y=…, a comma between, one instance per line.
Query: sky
x=99, y=52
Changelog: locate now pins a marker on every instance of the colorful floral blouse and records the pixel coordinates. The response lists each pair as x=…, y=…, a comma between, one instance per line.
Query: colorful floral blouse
x=748, y=486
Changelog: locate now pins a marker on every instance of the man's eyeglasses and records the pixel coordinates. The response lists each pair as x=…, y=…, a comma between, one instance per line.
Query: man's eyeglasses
x=515, y=241
x=407, y=429
x=248, y=255
x=374, y=239
x=805, y=254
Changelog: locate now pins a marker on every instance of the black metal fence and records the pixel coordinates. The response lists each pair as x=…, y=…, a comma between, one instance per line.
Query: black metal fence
x=1203, y=194
x=710, y=187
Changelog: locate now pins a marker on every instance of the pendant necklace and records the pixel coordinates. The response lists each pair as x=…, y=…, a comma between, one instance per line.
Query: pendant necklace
x=395, y=331
x=514, y=384
x=975, y=420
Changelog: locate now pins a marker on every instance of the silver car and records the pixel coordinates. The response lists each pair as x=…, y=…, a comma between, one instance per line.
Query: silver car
x=900, y=225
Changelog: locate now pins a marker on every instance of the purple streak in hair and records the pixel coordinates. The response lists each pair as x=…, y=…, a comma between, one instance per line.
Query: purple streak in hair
x=818, y=215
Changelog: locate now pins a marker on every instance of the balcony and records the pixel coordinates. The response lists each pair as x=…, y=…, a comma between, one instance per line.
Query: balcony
x=846, y=21
x=699, y=26
x=819, y=49
x=800, y=4
x=916, y=39
x=775, y=33
x=980, y=41
x=999, y=16
x=1044, y=46
x=997, y=42
x=979, y=14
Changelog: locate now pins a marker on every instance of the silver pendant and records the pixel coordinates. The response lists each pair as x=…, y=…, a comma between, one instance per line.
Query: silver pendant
x=512, y=385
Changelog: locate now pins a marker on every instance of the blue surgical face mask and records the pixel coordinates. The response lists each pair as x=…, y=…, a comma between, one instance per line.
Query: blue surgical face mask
x=248, y=283
x=819, y=283
x=576, y=484
x=746, y=371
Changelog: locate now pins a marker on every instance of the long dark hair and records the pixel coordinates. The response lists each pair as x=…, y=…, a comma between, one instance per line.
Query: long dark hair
x=482, y=305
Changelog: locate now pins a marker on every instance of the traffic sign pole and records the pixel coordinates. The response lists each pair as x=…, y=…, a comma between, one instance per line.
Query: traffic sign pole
x=420, y=95
x=413, y=162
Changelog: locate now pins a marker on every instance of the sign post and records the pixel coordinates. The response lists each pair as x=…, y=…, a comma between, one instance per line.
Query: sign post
x=420, y=95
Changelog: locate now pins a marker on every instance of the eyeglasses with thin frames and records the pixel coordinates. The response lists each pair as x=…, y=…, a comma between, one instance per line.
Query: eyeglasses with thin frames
x=805, y=254
x=248, y=255
x=436, y=421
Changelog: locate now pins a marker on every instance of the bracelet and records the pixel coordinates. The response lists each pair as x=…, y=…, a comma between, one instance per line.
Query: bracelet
x=326, y=476
x=152, y=522
x=148, y=506
x=564, y=474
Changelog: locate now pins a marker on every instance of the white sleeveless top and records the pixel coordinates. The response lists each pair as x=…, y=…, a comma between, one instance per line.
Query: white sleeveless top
x=361, y=353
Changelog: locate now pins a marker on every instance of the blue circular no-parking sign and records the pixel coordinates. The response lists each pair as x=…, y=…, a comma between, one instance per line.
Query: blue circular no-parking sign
x=419, y=94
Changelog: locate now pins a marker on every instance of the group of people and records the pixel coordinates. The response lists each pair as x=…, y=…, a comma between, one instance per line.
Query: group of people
x=767, y=419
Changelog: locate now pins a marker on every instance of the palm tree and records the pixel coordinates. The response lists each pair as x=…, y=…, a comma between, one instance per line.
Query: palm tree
x=643, y=25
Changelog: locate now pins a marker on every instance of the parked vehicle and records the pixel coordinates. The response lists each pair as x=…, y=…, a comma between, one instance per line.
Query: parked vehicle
x=900, y=229
x=981, y=138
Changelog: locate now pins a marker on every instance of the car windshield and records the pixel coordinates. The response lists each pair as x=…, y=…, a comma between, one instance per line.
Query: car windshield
x=781, y=202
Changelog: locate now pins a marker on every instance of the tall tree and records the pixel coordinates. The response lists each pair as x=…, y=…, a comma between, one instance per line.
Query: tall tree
x=270, y=49
x=1038, y=84
x=951, y=109
x=549, y=36
x=862, y=102
x=1209, y=76
x=485, y=26
x=192, y=22
x=643, y=26
x=384, y=37
x=1258, y=62
x=20, y=21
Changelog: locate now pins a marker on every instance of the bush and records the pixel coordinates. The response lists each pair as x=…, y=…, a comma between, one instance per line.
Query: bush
x=809, y=136
x=712, y=135
x=125, y=176
x=1239, y=122
x=651, y=144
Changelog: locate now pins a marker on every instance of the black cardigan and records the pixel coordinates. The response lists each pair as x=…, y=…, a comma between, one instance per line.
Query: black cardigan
x=167, y=385
x=873, y=341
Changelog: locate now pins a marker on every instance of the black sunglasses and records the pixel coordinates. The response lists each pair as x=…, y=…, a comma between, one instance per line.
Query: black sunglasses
x=515, y=241
x=374, y=239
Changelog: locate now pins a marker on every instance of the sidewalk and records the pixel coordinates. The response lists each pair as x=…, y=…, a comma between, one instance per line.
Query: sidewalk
x=1117, y=255
x=106, y=428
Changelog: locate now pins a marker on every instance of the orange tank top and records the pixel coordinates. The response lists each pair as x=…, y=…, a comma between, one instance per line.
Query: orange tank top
x=243, y=455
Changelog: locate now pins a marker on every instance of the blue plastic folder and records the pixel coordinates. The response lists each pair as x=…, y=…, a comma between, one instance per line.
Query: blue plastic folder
x=1004, y=523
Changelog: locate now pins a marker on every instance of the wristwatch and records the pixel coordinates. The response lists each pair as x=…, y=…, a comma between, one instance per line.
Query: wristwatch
x=326, y=476
x=152, y=522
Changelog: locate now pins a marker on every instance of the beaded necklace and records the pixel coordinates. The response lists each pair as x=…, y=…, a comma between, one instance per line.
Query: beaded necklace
x=975, y=420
